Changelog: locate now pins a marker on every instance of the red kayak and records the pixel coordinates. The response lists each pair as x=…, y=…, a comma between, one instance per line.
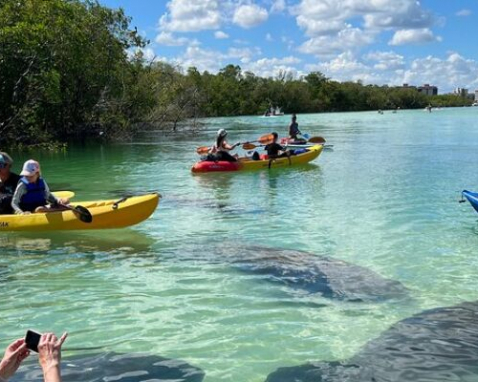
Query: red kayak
x=211, y=166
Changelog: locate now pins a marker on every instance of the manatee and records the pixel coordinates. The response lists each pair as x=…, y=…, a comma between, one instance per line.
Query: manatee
x=435, y=345
x=332, y=278
x=117, y=367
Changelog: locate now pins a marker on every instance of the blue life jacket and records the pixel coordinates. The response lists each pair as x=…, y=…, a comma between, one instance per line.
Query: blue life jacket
x=35, y=196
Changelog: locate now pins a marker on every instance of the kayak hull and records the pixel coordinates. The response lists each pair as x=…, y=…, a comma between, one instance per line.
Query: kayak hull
x=211, y=166
x=472, y=197
x=127, y=212
x=249, y=164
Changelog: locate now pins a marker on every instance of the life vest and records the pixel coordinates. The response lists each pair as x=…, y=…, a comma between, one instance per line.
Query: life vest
x=35, y=196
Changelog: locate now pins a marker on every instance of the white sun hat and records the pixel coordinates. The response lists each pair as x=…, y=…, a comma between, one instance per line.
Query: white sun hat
x=30, y=167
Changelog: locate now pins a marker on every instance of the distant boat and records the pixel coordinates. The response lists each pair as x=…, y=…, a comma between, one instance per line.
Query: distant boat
x=475, y=104
x=273, y=112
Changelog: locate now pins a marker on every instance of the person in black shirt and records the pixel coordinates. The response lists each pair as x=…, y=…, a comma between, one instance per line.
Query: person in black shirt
x=275, y=150
x=8, y=183
x=294, y=128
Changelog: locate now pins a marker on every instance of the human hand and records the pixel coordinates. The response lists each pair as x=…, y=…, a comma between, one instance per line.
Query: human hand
x=14, y=355
x=49, y=351
x=64, y=201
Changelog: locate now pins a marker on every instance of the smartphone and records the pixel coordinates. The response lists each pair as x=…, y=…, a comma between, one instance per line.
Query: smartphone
x=32, y=339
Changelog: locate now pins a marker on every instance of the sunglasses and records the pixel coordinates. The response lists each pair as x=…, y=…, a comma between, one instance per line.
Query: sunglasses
x=4, y=165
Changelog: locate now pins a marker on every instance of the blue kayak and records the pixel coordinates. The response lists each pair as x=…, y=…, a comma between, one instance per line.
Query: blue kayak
x=472, y=197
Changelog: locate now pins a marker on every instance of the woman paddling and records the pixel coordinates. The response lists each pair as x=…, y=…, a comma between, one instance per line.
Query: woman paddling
x=221, y=148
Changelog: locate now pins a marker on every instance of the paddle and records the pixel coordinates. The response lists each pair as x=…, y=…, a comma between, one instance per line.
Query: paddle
x=64, y=194
x=80, y=212
x=315, y=140
x=319, y=140
x=263, y=139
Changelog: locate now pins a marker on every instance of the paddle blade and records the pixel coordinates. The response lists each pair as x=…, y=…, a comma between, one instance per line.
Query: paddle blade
x=83, y=214
x=64, y=194
x=202, y=150
x=266, y=139
x=317, y=140
x=248, y=146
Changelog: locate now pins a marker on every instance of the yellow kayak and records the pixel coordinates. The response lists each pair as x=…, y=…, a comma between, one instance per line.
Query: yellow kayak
x=106, y=214
x=246, y=164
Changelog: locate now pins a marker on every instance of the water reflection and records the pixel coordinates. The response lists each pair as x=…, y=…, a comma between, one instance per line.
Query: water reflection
x=132, y=241
x=117, y=367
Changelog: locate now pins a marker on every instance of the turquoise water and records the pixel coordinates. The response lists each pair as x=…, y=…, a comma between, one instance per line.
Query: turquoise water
x=385, y=198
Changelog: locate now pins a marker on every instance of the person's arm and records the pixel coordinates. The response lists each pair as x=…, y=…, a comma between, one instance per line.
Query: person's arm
x=14, y=355
x=49, y=356
x=227, y=146
x=49, y=196
x=17, y=197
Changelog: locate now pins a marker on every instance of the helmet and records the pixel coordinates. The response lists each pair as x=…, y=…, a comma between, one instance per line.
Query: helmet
x=221, y=133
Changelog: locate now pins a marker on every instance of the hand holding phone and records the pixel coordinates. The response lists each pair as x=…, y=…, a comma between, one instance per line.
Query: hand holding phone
x=32, y=339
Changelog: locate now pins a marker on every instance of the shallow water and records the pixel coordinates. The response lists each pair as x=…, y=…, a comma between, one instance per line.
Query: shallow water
x=386, y=198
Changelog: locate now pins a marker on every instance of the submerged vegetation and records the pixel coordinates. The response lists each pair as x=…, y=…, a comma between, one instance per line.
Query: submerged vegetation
x=72, y=69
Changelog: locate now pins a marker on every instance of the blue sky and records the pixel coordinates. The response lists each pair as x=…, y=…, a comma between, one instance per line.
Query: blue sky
x=375, y=41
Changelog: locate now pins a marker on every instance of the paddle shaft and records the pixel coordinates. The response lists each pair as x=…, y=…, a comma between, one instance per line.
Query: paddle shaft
x=263, y=139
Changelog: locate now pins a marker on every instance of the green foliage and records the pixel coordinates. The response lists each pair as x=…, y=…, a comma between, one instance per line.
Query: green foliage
x=64, y=65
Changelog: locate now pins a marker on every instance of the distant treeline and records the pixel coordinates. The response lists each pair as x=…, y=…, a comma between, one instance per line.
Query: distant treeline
x=71, y=69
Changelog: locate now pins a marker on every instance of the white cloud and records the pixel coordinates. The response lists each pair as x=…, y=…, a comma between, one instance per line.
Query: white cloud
x=328, y=23
x=248, y=16
x=202, y=59
x=386, y=61
x=463, y=13
x=271, y=67
x=346, y=67
x=347, y=39
x=243, y=54
x=149, y=54
x=460, y=72
x=390, y=68
x=404, y=14
x=413, y=36
x=269, y=37
x=166, y=38
x=221, y=35
x=191, y=16
x=319, y=16
x=278, y=6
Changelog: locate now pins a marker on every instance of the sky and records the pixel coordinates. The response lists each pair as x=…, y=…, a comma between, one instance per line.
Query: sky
x=379, y=42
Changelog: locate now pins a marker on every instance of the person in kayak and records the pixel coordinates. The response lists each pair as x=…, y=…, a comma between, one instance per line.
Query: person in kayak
x=32, y=193
x=8, y=183
x=294, y=129
x=221, y=149
x=275, y=150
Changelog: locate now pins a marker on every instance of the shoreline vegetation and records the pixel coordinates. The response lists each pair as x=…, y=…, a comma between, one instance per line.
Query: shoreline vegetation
x=73, y=70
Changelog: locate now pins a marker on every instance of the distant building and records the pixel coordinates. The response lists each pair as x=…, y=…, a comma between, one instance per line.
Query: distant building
x=476, y=95
x=406, y=86
x=461, y=92
x=428, y=90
